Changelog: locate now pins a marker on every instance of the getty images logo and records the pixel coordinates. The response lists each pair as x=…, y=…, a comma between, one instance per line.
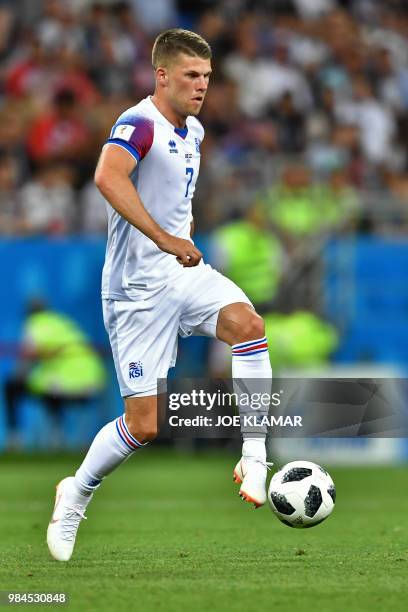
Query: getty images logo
x=135, y=369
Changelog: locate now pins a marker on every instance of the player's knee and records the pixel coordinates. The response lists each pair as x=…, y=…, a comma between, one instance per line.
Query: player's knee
x=252, y=328
x=142, y=431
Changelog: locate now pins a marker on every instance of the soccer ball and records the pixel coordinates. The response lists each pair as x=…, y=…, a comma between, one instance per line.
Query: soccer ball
x=301, y=494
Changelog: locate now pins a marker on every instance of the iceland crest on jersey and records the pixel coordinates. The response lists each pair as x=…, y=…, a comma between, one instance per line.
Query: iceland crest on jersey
x=135, y=369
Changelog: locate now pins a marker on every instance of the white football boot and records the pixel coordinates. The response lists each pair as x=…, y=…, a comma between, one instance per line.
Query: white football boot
x=251, y=470
x=251, y=474
x=65, y=520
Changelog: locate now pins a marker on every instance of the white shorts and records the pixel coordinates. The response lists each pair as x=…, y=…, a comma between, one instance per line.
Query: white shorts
x=143, y=333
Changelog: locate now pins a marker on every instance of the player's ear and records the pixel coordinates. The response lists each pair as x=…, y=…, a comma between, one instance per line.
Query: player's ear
x=161, y=76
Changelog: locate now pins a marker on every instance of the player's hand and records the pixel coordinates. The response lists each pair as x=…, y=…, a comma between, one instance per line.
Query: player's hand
x=186, y=253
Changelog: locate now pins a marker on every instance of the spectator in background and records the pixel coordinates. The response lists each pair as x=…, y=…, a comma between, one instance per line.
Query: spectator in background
x=389, y=29
x=115, y=43
x=94, y=219
x=313, y=9
x=299, y=340
x=48, y=200
x=399, y=186
x=262, y=81
x=133, y=52
x=58, y=365
x=7, y=24
x=341, y=35
x=346, y=206
x=155, y=15
x=336, y=149
x=10, y=222
x=289, y=124
x=59, y=27
x=221, y=113
x=213, y=26
x=247, y=69
x=14, y=120
x=394, y=215
x=249, y=254
x=291, y=206
x=388, y=81
x=60, y=133
x=375, y=121
x=72, y=77
x=31, y=74
x=299, y=208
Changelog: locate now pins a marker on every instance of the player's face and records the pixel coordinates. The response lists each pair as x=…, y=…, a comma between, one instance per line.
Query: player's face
x=187, y=84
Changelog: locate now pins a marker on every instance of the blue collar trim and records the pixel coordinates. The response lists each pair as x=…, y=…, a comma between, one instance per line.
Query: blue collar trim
x=181, y=131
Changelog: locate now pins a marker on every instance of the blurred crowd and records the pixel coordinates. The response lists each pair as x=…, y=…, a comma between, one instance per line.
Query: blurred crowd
x=306, y=117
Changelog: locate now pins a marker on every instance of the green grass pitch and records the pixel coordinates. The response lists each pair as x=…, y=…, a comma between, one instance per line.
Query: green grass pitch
x=168, y=532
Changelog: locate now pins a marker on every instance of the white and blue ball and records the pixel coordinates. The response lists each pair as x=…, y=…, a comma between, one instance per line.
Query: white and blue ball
x=302, y=494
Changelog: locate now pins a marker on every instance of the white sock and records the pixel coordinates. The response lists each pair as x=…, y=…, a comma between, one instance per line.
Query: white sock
x=250, y=360
x=112, y=445
x=254, y=448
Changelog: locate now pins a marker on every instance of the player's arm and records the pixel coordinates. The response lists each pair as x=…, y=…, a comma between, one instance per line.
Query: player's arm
x=112, y=179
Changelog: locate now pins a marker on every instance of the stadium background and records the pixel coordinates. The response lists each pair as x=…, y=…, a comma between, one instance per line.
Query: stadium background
x=304, y=167
x=303, y=190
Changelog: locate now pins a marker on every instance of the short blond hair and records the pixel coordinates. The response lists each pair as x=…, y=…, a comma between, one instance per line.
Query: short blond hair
x=172, y=42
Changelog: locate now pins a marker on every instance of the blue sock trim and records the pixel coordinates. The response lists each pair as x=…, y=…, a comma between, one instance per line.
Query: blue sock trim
x=264, y=350
x=245, y=344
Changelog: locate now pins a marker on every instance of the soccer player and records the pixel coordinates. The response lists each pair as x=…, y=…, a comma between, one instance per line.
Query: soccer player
x=155, y=284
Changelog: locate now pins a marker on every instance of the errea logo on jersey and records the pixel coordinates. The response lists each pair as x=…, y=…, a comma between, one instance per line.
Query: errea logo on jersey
x=135, y=369
x=172, y=147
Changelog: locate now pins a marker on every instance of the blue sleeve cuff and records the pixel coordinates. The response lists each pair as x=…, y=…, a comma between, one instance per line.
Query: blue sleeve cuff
x=124, y=145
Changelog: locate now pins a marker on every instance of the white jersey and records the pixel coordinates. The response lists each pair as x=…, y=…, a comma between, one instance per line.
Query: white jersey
x=168, y=162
